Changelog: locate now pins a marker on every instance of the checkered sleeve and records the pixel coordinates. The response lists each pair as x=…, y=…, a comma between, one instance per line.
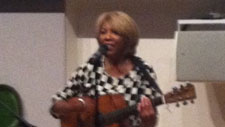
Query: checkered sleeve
x=153, y=89
x=77, y=85
x=147, y=89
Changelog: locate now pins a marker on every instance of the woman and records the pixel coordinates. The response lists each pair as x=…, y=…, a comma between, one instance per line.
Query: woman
x=117, y=73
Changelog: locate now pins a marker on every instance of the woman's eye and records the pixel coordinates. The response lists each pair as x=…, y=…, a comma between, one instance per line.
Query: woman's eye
x=102, y=31
x=115, y=32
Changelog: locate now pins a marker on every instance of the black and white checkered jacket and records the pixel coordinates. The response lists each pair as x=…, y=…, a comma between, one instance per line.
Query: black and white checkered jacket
x=132, y=86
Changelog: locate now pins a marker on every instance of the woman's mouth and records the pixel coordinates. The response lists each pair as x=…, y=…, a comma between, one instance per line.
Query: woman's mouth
x=110, y=47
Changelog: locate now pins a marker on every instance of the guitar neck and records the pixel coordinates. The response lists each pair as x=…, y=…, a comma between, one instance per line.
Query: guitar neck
x=157, y=101
x=125, y=112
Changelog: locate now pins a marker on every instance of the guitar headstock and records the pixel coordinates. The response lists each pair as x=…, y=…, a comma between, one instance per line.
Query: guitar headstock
x=181, y=94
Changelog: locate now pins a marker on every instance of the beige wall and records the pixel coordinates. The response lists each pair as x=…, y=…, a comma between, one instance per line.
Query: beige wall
x=32, y=60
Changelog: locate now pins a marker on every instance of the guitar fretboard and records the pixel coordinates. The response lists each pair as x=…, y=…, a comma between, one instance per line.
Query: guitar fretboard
x=120, y=114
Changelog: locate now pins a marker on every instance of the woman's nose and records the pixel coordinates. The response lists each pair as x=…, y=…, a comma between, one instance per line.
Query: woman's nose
x=108, y=36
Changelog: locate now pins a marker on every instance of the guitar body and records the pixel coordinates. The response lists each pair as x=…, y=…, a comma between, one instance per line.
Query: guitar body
x=106, y=104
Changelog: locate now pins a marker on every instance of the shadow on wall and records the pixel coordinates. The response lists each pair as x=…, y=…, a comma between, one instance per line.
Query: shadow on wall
x=216, y=97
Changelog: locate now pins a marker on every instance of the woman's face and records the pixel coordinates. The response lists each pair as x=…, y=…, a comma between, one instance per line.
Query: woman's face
x=114, y=42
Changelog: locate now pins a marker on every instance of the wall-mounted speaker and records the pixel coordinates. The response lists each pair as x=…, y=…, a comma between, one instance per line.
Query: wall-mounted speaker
x=200, y=50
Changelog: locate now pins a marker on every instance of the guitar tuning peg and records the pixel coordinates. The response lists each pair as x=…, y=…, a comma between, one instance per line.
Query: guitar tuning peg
x=175, y=89
x=177, y=105
x=188, y=83
x=181, y=86
x=185, y=103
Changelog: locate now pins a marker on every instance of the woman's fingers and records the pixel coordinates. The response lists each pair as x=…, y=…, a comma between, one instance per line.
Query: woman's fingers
x=145, y=108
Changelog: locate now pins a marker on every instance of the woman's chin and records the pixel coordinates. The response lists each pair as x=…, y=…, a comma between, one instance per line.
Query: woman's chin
x=113, y=55
x=110, y=54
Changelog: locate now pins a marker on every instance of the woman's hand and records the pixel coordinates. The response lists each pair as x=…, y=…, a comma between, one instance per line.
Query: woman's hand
x=72, y=105
x=146, y=111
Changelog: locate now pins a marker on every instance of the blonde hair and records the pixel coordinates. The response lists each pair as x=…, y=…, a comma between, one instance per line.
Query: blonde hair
x=124, y=25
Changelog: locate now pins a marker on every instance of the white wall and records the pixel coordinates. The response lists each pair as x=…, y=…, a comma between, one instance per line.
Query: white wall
x=32, y=60
x=207, y=111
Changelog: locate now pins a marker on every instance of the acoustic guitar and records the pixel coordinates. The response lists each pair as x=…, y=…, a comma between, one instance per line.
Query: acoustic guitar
x=113, y=110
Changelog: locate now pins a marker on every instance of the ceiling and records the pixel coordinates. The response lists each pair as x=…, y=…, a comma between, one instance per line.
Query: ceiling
x=31, y=6
x=155, y=18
